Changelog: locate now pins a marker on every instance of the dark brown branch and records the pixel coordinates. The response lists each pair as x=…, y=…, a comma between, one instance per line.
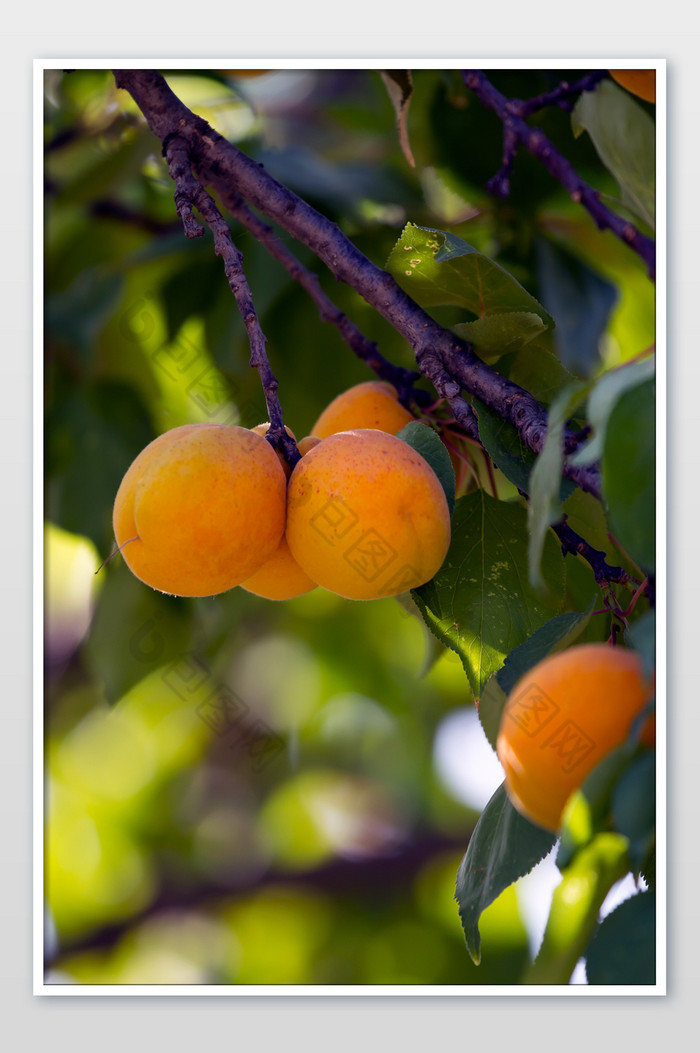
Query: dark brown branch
x=517, y=132
x=365, y=349
x=218, y=159
x=188, y=194
x=575, y=544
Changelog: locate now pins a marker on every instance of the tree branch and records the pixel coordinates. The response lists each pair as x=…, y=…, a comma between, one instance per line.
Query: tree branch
x=217, y=159
x=365, y=349
x=188, y=194
x=517, y=131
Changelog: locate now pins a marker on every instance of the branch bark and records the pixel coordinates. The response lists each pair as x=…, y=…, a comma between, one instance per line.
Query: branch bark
x=437, y=350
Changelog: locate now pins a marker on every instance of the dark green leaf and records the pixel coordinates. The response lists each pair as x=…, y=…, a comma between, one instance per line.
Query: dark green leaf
x=499, y=334
x=641, y=635
x=581, y=300
x=634, y=805
x=623, y=134
x=480, y=602
x=437, y=268
x=623, y=950
x=508, y=452
x=628, y=473
x=503, y=847
x=428, y=444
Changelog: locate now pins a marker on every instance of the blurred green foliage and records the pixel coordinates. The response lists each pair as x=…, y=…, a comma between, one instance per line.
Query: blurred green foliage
x=239, y=791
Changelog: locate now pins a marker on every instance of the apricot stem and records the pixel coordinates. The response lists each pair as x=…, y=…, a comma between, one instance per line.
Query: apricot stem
x=114, y=552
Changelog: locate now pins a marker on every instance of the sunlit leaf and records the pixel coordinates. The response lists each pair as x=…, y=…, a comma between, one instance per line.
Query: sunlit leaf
x=438, y=268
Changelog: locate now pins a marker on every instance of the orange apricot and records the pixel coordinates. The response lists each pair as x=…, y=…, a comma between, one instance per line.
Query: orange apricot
x=281, y=577
x=200, y=509
x=561, y=718
x=366, y=515
x=372, y=404
x=641, y=82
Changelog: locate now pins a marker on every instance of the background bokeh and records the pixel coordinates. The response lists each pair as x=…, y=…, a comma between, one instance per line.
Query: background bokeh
x=239, y=791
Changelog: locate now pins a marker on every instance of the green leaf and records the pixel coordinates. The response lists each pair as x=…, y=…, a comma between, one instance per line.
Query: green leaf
x=628, y=473
x=480, y=602
x=503, y=847
x=428, y=444
x=623, y=950
x=580, y=299
x=499, y=334
x=623, y=134
x=508, y=452
x=634, y=806
x=641, y=635
x=437, y=268
x=399, y=85
x=556, y=634
x=576, y=903
x=545, y=479
x=603, y=398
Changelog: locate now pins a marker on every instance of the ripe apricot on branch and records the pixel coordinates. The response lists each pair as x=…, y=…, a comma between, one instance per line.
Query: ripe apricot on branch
x=561, y=718
x=372, y=404
x=641, y=82
x=200, y=509
x=281, y=577
x=366, y=515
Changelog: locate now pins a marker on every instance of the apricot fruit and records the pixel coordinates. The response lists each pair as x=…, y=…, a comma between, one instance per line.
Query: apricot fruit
x=366, y=515
x=641, y=82
x=372, y=404
x=561, y=718
x=200, y=509
x=281, y=577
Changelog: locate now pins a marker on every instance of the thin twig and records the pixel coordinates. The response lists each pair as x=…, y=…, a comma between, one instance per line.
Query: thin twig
x=191, y=194
x=365, y=349
x=517, y=131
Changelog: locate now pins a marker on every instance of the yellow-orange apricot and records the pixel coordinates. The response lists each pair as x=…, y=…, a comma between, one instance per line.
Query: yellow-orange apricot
x=561, y=718
x=366, y=515
x=281, y=577
x=641, y=82
x=372, y=404
x=200, y=509
x=307, y=443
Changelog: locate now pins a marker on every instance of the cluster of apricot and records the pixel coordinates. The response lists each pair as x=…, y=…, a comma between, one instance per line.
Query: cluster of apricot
x=207, y=507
